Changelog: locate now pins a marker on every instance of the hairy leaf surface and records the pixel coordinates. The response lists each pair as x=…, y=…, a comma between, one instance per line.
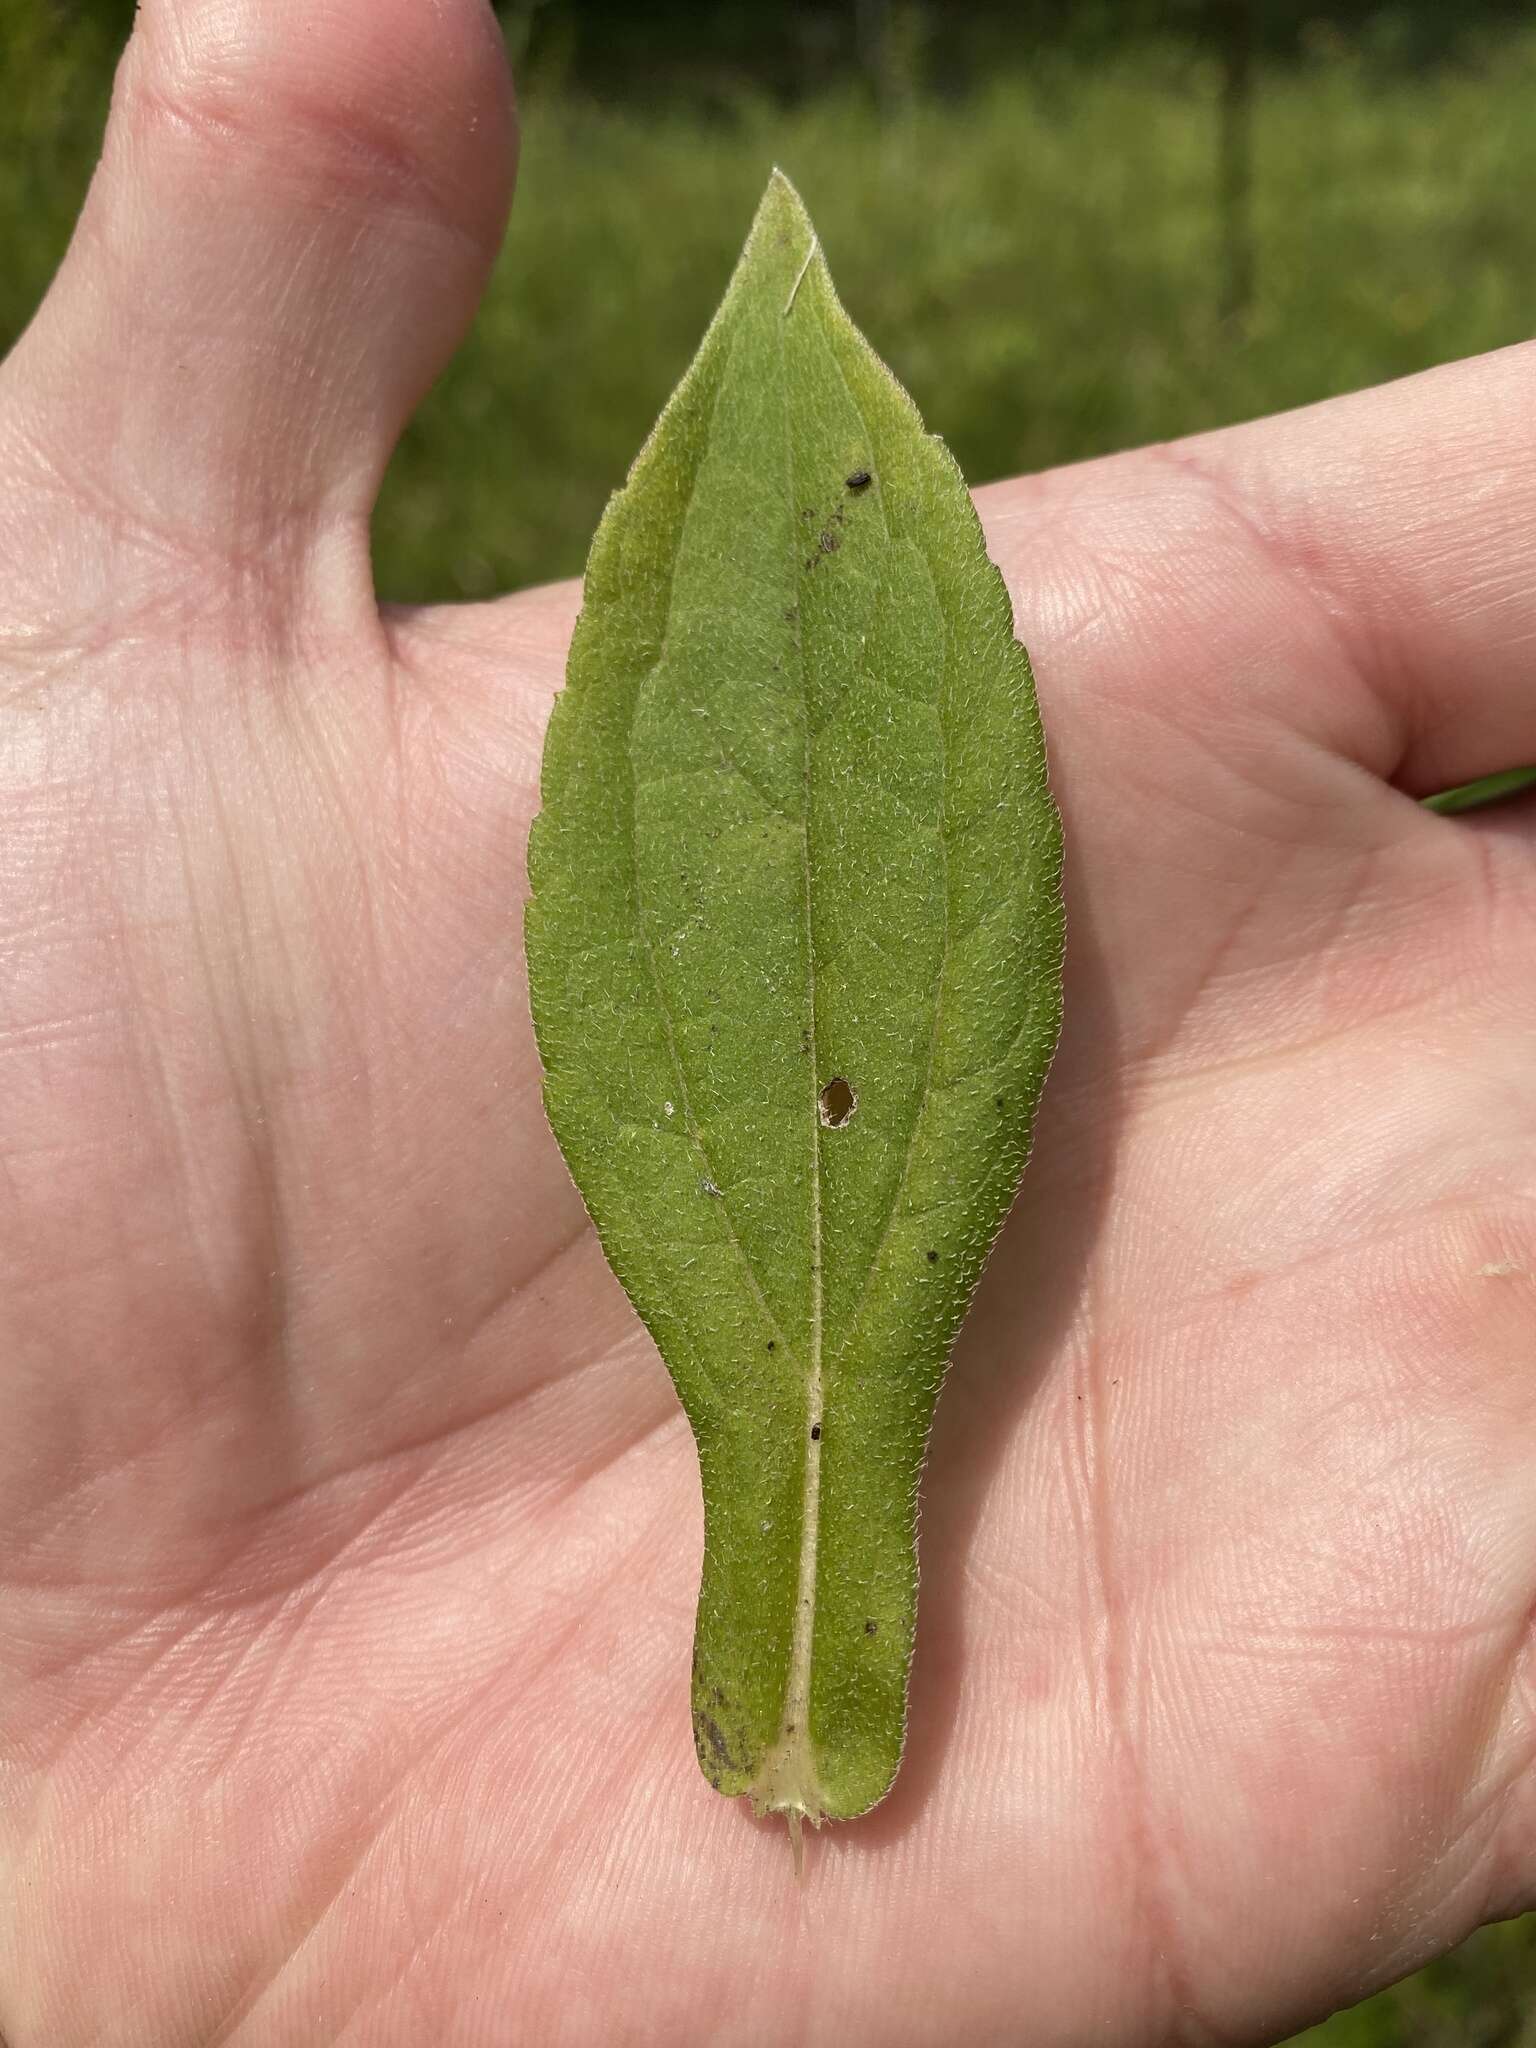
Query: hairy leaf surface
x=794, y=950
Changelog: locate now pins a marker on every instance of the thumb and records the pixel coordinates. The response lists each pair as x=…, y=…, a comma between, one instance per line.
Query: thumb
x=293, y=219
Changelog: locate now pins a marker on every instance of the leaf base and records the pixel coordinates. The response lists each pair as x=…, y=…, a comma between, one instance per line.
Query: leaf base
x=788, y=1784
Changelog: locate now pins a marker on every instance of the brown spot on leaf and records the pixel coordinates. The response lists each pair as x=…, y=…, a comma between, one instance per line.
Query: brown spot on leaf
x=709, y=1728
x=838, y=1103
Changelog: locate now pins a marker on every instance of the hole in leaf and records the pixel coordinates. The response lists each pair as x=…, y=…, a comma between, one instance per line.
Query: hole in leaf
x=838, y=1102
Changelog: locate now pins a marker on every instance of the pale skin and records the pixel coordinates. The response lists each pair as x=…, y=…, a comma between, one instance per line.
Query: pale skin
x=349, y=1531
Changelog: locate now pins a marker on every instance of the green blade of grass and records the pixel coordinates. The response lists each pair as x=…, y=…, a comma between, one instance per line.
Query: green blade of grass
x=1489, y=789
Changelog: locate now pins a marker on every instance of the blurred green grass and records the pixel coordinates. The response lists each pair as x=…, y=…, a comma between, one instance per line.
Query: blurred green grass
x=1483, y=1995
x=1040, y=264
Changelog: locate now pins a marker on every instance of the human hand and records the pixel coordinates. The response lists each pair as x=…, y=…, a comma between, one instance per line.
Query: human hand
x=349, y=1530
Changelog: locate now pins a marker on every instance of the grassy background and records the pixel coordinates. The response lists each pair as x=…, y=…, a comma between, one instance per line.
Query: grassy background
x=1039, y=267
x=1038, y=262
x=1041, y=264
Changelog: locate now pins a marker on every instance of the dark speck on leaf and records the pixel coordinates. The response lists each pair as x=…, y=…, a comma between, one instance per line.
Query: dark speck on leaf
x=771, y=1345
x=933, y=1258
x=998, y=1100
x=870, y=1627
x=710, y=1729
x=815, y=1432
x=859, y=481
x=837, y=1103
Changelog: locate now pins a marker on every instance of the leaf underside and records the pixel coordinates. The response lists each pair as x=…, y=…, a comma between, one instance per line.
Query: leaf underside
x=794, y=951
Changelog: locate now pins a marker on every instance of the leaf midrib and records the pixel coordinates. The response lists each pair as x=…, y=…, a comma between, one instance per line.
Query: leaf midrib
x=794, y=1732
x=795, y=1717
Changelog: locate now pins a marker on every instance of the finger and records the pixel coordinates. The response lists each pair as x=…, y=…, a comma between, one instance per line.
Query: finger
x=1404, y=516
x=290, y=227
x=1353, y=575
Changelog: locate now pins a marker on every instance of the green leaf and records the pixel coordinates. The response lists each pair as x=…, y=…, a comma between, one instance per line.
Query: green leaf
x=794, y=951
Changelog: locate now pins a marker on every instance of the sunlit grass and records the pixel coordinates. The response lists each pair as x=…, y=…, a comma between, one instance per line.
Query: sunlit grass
x=1038, y=266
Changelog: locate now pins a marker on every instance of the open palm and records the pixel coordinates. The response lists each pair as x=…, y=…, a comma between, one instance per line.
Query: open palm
x=349, y=1531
